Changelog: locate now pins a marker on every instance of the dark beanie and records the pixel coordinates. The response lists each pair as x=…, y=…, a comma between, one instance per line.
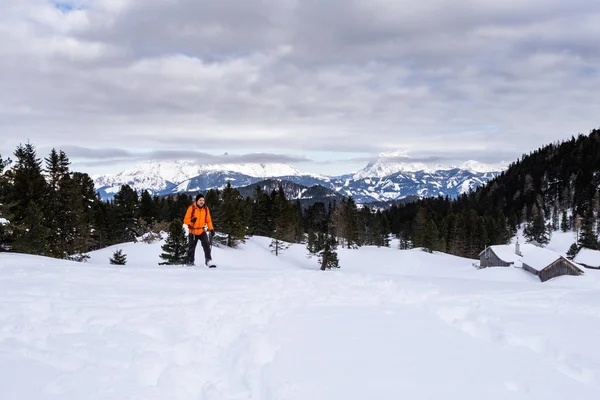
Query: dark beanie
x=199, y=196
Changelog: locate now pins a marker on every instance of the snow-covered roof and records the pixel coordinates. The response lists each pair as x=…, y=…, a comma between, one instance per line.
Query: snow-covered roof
x=507, y=252
x=588, y=257
x=539, y=258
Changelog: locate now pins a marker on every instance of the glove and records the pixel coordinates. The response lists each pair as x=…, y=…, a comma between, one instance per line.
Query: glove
x=212, y=233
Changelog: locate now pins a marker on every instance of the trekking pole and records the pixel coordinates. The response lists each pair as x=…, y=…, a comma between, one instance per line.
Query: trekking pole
x=208, y=234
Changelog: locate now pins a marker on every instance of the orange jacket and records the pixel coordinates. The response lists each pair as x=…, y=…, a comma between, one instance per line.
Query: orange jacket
x=202, y=216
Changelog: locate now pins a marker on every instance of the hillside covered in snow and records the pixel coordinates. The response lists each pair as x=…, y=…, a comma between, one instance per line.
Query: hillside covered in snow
x=388, y=324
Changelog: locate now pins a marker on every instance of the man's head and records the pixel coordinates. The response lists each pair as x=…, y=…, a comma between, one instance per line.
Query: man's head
x=200, y=200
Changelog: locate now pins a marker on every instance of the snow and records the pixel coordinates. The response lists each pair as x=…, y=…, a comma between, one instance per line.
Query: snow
x=4, y=221
x=478, y=167
x=389, y=324
x=393, y=162
x=254, y=170
x=154, y=175
x=588, y=257
x=465, y=187
x=539, y=258
x=508, y=252
x=562, y=241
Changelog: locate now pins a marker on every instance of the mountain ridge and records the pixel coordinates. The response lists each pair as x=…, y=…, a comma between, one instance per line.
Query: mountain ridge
x=398, y=182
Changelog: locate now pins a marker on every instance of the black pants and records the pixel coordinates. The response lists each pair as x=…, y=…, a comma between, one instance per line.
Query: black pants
x=193, y=241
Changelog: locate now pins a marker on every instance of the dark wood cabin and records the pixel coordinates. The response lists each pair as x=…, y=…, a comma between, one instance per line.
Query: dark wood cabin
x=561, y=266
x=496, y=256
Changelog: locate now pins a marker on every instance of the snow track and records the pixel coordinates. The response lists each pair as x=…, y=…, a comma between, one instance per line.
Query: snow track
x=73, y=331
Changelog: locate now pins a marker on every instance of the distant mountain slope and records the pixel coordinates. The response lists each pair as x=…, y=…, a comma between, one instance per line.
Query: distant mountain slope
x=178, y=177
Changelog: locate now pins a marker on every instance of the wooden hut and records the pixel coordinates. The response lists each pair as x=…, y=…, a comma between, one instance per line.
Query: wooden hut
x=546, y=264
x=588, y=258
x=505, y=255
x=497, y=256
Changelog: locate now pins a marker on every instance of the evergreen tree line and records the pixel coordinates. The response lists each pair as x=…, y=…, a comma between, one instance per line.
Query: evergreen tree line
x=47, y=209
x=555, y=187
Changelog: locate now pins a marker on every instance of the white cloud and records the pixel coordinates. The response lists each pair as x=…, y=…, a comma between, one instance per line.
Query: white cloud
x=474, y=79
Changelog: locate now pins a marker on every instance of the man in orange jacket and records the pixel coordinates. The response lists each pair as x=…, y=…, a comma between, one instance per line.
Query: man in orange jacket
x=199, y=223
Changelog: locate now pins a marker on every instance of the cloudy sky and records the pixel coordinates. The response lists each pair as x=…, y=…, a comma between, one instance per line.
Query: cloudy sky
x=321, y=84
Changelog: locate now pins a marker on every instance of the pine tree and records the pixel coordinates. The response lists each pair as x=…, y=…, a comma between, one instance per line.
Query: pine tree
x=382, y=235
x=573, y=250
x=537, y=230
x=564, y=225
x=282, y=219
x=33, y=239
x=62, y=209
x=328, y=257
x=403, y=240
x=175, y=247
x=420, y=228
x=261, y=216
x=118, y=258
x=588, y=237
x=555, y=224
x=296, y=222
x=230, y=216
x=148, y=210
x=350, y=233
x=84, y=200
x=126, y=208
x=312, y=245
x=5, y=229
x=431, y=239
x=25, y=199
x=180, y=206
x=504, y=231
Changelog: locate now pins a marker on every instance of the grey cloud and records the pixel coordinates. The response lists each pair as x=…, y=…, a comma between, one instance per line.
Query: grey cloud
x=98, y=156
x=442, y=158
x=474, y=79
x=92, y=153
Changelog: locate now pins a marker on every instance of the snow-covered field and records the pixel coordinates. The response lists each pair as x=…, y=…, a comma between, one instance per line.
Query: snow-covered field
x=389, y=324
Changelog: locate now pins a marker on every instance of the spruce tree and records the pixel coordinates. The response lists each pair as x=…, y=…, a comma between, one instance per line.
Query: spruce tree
x=230, y=216
x=84, y=199
x=312, y=245
x=573, y=250
x=403, y=240
x=297, y=222
x=62, y=208
x=431, y=239
x=33, y=237
x=26, y=201
x=383, y=230
x=282, y=219
x=588, y=237
x=261, y=216
x=564, y=225
x=352, y=232
x=175, y=247
x=126, y=208
x=118, y=258
x=148, y=209
x=5, y=229
x=420, y=228
x=537, y=230
x=328, y=257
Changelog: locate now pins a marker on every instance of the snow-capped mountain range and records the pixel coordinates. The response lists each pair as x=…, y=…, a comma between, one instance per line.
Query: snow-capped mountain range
x=391, y=177
x=158, y=176
x=394, y=162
